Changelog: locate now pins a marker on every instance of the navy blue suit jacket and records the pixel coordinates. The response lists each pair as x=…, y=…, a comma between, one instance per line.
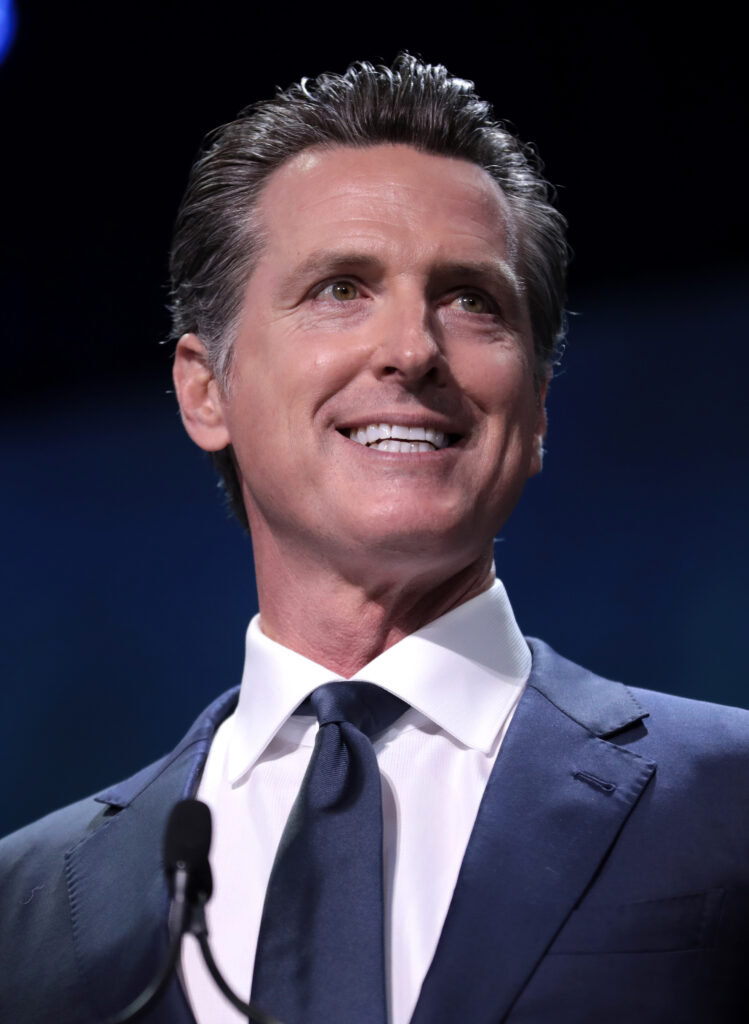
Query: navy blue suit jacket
x=606, y=878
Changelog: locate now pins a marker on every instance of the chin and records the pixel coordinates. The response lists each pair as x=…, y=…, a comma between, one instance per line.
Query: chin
x=420, y=542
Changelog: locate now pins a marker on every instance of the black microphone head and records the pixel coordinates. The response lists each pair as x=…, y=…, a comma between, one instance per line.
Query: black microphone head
x=187, y=841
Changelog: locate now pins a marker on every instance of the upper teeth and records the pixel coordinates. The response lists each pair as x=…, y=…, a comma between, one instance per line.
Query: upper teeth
x=397, y=438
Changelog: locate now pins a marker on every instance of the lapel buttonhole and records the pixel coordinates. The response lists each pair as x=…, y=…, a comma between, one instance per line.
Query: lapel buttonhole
x=592, y=780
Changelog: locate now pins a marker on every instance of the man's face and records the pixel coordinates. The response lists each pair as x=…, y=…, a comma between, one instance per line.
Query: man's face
x=382, y=406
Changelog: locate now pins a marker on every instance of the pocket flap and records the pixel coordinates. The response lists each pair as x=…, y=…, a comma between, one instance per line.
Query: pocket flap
x=680, y=922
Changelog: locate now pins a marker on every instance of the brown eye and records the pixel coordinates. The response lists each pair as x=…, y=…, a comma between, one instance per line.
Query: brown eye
x=473, y=302
x=343, y=291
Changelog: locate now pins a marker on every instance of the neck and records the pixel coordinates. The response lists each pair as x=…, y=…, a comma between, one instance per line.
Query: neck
x=343, y=623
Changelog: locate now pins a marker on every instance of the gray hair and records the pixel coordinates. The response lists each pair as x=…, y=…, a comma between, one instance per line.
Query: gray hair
x=216, y=239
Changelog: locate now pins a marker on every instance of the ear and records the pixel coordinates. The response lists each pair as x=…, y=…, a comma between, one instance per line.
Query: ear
x=199, y=395
x=537, y=457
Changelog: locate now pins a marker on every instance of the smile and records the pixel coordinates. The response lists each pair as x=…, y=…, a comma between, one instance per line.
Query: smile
x=394, y=437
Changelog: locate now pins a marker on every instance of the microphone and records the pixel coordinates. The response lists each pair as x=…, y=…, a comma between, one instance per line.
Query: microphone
x=187, y=842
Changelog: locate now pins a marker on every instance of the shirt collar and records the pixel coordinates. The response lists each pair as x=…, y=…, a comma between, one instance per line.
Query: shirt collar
x=464, y=671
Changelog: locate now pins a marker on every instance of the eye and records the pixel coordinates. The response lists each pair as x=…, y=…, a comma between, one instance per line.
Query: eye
x=474, y=302
x=341, y=291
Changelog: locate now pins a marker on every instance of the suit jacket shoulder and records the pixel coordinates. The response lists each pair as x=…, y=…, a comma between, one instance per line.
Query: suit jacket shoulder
x=83, y=894
x=663, y=921
x=607, y=874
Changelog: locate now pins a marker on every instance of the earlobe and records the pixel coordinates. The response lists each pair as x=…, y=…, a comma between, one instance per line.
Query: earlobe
x=537, y=457
x=537, y=463
x=199, y=395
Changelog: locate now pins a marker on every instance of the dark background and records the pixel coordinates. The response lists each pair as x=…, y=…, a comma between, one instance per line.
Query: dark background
x=126, y=589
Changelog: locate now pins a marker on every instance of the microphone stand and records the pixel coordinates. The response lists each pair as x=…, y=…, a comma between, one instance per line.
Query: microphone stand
x=199, y=929
x=179, y=919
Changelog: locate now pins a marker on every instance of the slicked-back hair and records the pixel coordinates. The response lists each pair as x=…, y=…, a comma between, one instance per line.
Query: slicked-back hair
x=217, y=237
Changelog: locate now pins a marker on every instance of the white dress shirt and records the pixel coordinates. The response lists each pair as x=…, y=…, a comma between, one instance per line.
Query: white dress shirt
x=463, y=675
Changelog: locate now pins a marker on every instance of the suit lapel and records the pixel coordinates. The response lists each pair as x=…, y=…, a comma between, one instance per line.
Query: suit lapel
x=555, y=802
x=116, y=886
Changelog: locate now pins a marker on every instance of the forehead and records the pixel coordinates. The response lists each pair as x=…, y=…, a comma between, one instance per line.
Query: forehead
x=385, y=195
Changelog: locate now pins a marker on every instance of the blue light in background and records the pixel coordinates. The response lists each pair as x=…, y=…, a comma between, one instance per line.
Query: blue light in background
x=7, y=27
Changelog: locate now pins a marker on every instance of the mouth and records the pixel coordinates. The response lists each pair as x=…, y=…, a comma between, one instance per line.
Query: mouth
x=395, y=437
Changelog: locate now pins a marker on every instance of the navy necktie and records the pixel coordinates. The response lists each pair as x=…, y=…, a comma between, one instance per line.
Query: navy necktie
x=320, y=954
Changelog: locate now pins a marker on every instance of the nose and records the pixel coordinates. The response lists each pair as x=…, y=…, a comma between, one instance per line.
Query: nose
x=408, y=343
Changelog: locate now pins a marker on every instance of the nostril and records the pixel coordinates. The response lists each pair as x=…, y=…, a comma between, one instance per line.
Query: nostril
x=413, y=369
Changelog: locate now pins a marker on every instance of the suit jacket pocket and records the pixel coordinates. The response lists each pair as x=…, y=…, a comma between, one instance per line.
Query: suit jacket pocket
x=677, y=923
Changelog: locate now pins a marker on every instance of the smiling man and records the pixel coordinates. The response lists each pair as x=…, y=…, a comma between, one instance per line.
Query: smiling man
x=418, y=814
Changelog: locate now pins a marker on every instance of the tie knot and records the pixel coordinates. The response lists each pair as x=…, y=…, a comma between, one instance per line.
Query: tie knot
x=366, y=706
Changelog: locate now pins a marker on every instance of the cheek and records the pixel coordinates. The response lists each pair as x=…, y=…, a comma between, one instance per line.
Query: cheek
x=311, y=362
x=500, y=384
x=326, y=369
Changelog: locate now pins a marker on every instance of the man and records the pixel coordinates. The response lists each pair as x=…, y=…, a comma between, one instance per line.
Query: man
x=367, y=290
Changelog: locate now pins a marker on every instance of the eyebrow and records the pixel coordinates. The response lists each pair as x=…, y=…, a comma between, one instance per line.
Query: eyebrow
x=481, y=270
x=322, y=262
